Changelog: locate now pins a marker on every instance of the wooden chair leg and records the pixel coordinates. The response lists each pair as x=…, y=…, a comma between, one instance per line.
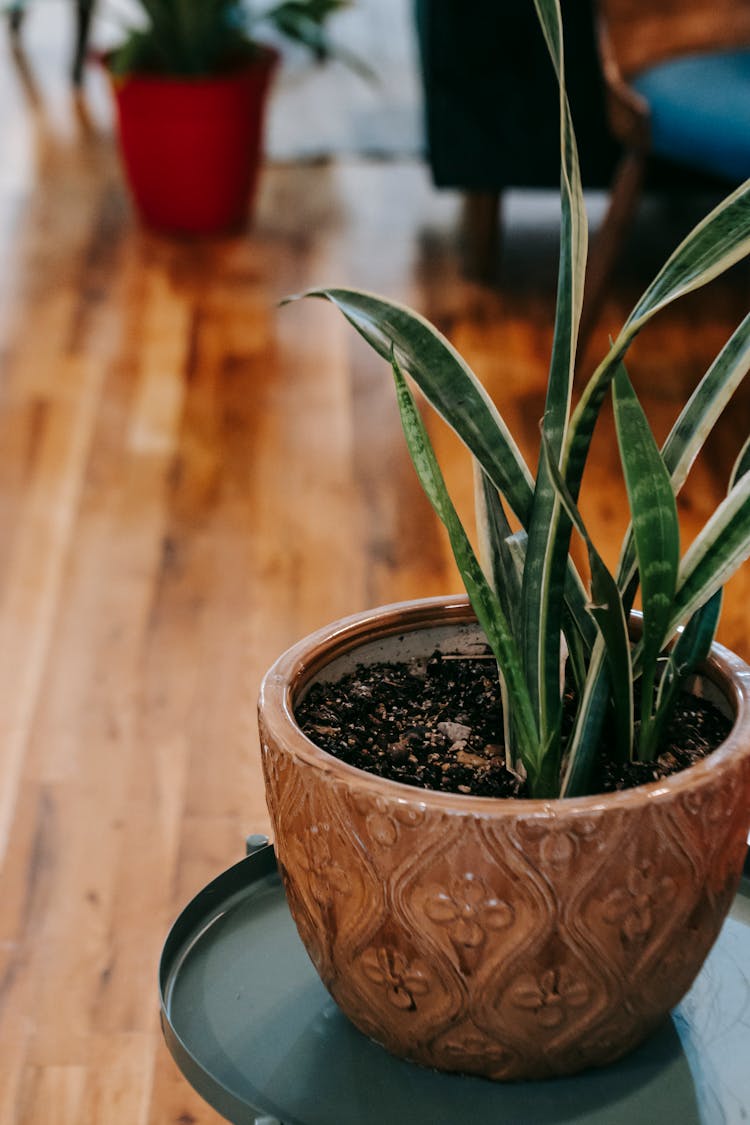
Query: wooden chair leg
x=84, y=15
x=624, y=195
x=481, y=227
x=16, y=12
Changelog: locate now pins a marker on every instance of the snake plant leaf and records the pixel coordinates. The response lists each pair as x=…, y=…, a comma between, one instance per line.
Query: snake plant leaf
x=691, y=647
x=741, y=465
x=453, y=390
x=715, y=244
x=706, y=403
x=684, y=442
x=547, y=555
x=483, y=599
x=591, y=711
x=715, y=554
x=501, y=566
x=579, y=652
x=572, y=268
x=501, y=554
x=656, y=533
x=578, y=767
x=695, y=422
x=607, y=610
x=673, y=594
x=694, y=641
x=447, y=382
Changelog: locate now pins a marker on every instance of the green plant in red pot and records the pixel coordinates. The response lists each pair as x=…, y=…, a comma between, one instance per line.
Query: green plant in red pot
x=190, y=87
x=546, y=931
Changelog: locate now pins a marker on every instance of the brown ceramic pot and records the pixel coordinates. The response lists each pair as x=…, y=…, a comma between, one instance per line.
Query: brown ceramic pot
x=508, y=938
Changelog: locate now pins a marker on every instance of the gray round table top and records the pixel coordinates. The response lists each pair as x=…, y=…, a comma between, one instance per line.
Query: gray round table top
x=255, y=1032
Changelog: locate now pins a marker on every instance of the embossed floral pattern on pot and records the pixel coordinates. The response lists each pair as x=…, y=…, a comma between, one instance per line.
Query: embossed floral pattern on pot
x=550, y=996
x=558, y=844
x=392, y=972
x=325, y=877
x=467, y=1045
x=632, y=906
x=468, y=910
x=385, y=820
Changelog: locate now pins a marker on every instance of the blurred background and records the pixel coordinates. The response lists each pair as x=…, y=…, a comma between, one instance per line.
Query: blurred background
x=192, y=477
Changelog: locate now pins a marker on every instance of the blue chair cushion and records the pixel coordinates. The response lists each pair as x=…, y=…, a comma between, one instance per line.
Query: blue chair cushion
x=700, y=111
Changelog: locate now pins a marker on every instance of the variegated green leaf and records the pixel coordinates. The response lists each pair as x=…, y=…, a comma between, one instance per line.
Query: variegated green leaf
x=452, y=389
x=493, y=532
x=741, y=465
x=691, y=647
x=694, y=641
x=716, y=553
x=706, y=404
x=719, y=241
x=607, y=610
x=656, y=533
x=579, y=653
x=447, y=382
x=715, y=244
x=584, y=740
x=547, y=556
x=483, y=599
x=503, y=570
x=695, y=422
x=684, y=442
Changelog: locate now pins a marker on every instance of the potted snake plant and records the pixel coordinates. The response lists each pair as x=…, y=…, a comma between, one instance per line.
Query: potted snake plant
x=190, y=88
x=552, y=930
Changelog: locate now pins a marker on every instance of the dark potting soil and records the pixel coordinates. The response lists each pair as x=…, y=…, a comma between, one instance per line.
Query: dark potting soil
x=439, y=726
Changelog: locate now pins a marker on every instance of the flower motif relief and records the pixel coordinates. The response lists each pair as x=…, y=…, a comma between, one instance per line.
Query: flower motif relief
x=383, y=829
x=470, y=1045
x=384, y=820
x=468, y=909
x=409, y=815
x=391, y=971
x=551, y=996
x=711, y=805
x=325, y=877
x=559, y=844
x=558, y=848
x=632, y=906
x=306, y=930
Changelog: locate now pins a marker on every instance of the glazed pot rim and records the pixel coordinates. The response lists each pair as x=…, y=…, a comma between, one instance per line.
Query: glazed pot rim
x=293, y=670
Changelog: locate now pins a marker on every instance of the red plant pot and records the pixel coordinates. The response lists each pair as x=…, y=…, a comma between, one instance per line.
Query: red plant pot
x=192, y=147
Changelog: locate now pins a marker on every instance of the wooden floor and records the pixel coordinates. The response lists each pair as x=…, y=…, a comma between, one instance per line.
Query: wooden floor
x=190, y=479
